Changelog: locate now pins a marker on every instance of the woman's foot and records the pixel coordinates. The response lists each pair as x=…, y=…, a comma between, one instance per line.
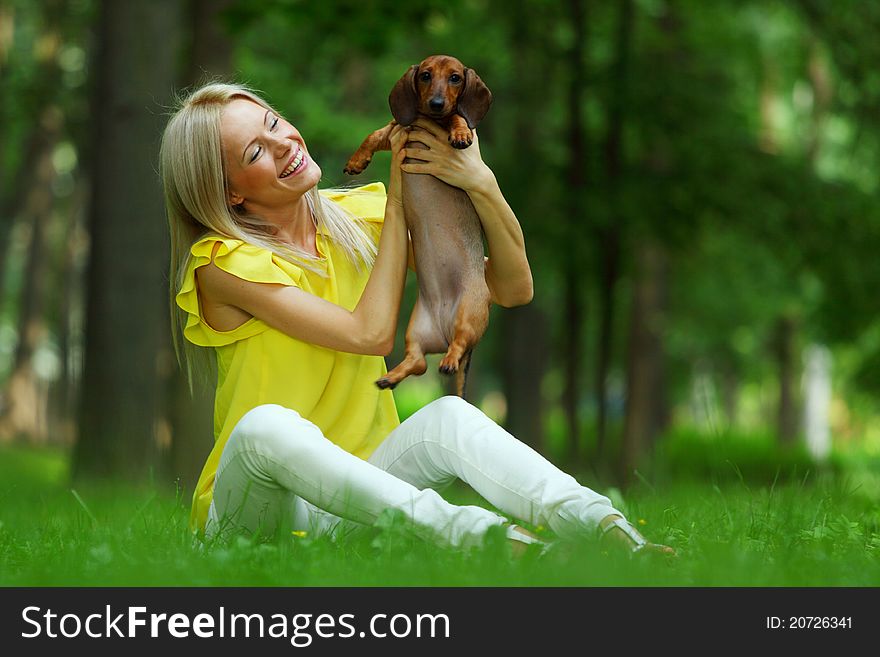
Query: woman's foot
x=616, y=530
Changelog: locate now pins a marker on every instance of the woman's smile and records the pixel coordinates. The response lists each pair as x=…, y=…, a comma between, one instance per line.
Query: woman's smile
x=296, y=164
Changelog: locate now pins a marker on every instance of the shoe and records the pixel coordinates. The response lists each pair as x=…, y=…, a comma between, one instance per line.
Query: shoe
x=518, y=534
x=638, y=543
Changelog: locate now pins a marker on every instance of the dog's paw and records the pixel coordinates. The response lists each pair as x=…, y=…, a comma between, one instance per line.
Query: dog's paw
x=461, y=138
x=357, y=164
x=448, y=367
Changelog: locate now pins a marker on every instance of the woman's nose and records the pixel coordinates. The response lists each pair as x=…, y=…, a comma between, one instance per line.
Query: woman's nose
x=281, y=146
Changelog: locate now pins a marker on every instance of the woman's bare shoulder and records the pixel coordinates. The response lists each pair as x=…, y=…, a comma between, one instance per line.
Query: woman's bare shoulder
x=214, y=287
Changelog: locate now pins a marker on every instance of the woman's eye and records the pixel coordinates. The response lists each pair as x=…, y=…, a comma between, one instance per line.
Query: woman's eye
x=274, y=123
x=256, y=154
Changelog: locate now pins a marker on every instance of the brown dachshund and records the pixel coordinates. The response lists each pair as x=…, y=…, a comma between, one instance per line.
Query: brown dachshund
x=452, y=310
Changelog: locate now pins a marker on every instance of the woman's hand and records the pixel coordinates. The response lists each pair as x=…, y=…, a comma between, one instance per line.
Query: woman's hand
x=462, y=168
x=398, y=137
x=507, y=269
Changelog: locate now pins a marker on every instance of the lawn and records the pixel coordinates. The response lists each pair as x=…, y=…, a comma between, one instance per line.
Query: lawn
x=801, y=529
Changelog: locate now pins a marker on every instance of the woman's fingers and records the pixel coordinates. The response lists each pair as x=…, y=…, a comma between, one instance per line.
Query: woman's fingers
x=398, y=136
x=427, y=138
x=459, y=168
x=416, y=167
x=428, y=126
x=420, y=154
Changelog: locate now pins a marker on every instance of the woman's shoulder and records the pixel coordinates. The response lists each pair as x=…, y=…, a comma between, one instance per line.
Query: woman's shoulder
x=366, y=201
x=243, y=260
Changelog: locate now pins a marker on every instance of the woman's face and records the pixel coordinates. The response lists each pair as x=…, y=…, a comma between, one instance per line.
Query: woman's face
x=267, y=162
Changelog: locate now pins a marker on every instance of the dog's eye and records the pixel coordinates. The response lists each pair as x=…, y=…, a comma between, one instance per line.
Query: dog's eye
x=425, y=76
x=455, y=78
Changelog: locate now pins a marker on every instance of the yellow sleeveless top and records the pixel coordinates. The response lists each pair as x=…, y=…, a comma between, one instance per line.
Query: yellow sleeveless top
x=257, y=364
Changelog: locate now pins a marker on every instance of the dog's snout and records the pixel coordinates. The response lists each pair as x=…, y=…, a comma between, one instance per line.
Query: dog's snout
x=436, y=104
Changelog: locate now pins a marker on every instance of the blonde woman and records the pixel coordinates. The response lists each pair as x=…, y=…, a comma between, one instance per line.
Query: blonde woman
x=297, y=293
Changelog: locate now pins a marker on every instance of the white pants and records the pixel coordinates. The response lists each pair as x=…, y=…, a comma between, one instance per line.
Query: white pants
x=279, y=471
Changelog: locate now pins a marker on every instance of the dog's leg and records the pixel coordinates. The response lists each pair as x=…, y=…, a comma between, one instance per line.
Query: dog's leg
x=460, y=135
x=471, y=320
x=461, y=375
x=413, y=363
x=419, y=336
x=376, y=141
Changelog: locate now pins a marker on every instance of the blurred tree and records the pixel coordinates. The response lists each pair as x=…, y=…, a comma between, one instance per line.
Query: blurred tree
x=574, y=294
x=608, y=232
x=29, y=201
x=25, y=402
x=122, y=390
x=191, y=411
x=701, y=175
x=523, y=348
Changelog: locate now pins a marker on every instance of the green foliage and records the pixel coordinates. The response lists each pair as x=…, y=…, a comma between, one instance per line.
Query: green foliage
x=749, y=147
x=756, y=459
x=822, y=531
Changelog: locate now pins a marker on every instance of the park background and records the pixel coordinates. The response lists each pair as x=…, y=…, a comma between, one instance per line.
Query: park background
x=697, y=184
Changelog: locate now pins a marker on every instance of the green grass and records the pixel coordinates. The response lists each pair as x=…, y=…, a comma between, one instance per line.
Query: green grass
x=816, y=530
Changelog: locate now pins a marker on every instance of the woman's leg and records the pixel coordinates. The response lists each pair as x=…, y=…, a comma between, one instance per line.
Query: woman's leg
x=274, y=456
x=450, y=438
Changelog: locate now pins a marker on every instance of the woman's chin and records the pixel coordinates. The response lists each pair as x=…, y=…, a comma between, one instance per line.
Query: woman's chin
x=311, y=176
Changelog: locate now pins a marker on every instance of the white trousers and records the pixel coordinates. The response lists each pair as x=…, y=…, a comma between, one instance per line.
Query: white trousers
x=279, y=471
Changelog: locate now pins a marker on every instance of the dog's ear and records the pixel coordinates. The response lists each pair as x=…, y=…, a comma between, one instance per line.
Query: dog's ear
x=475, y=99
x=403, y=99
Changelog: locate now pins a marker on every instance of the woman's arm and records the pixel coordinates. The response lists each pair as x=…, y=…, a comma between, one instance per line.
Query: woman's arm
x=508, y=274
x=369, y=328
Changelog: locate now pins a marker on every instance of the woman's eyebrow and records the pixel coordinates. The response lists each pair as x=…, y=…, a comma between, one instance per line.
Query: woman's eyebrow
x=246, y=148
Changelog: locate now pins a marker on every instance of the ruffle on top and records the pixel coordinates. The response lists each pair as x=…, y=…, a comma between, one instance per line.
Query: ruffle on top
x=258, y=265
x=240, y=259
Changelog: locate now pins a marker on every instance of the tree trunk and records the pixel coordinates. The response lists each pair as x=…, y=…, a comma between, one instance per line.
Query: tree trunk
x=211, y=54
x=784, y=347
x=65, y=392
x=729, y=395
x=523, y=352
x=820, y=81
x=574, y=304
x=608, y=237
x=43, y=134
x=24, y=408
x=646, y=400
x=126, y=327
x=191, y=415
x=524, y=334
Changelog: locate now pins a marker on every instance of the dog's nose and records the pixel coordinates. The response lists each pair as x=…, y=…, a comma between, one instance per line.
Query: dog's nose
x=436, y=104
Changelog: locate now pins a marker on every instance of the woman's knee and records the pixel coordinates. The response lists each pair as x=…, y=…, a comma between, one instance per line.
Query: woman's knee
x=273, y=429
x=454, y=419
x=451, y=411
x=452, y=405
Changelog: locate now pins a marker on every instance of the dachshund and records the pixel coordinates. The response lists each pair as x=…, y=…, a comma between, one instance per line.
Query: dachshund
x=452, y=310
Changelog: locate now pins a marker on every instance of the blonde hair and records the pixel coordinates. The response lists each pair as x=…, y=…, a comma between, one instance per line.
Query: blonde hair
x=196, y=202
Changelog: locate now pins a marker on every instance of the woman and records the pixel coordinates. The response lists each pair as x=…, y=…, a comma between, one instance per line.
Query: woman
x=298, y=295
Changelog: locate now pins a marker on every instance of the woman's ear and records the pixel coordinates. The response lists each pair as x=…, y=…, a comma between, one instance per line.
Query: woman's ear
x=235, y=199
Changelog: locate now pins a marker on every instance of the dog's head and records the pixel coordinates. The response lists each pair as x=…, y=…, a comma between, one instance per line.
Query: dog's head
x=440, y=86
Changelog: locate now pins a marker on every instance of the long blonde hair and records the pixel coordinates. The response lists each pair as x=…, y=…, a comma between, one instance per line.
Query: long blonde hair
x=196, y=202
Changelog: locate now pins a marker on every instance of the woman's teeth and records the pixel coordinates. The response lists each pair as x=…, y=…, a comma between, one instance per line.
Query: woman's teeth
x=294, y=164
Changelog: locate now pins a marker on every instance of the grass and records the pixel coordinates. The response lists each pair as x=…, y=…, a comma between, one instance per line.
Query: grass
x=813, y=530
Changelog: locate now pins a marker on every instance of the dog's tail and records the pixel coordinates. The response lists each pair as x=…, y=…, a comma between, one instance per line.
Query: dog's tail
x=462, y=373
